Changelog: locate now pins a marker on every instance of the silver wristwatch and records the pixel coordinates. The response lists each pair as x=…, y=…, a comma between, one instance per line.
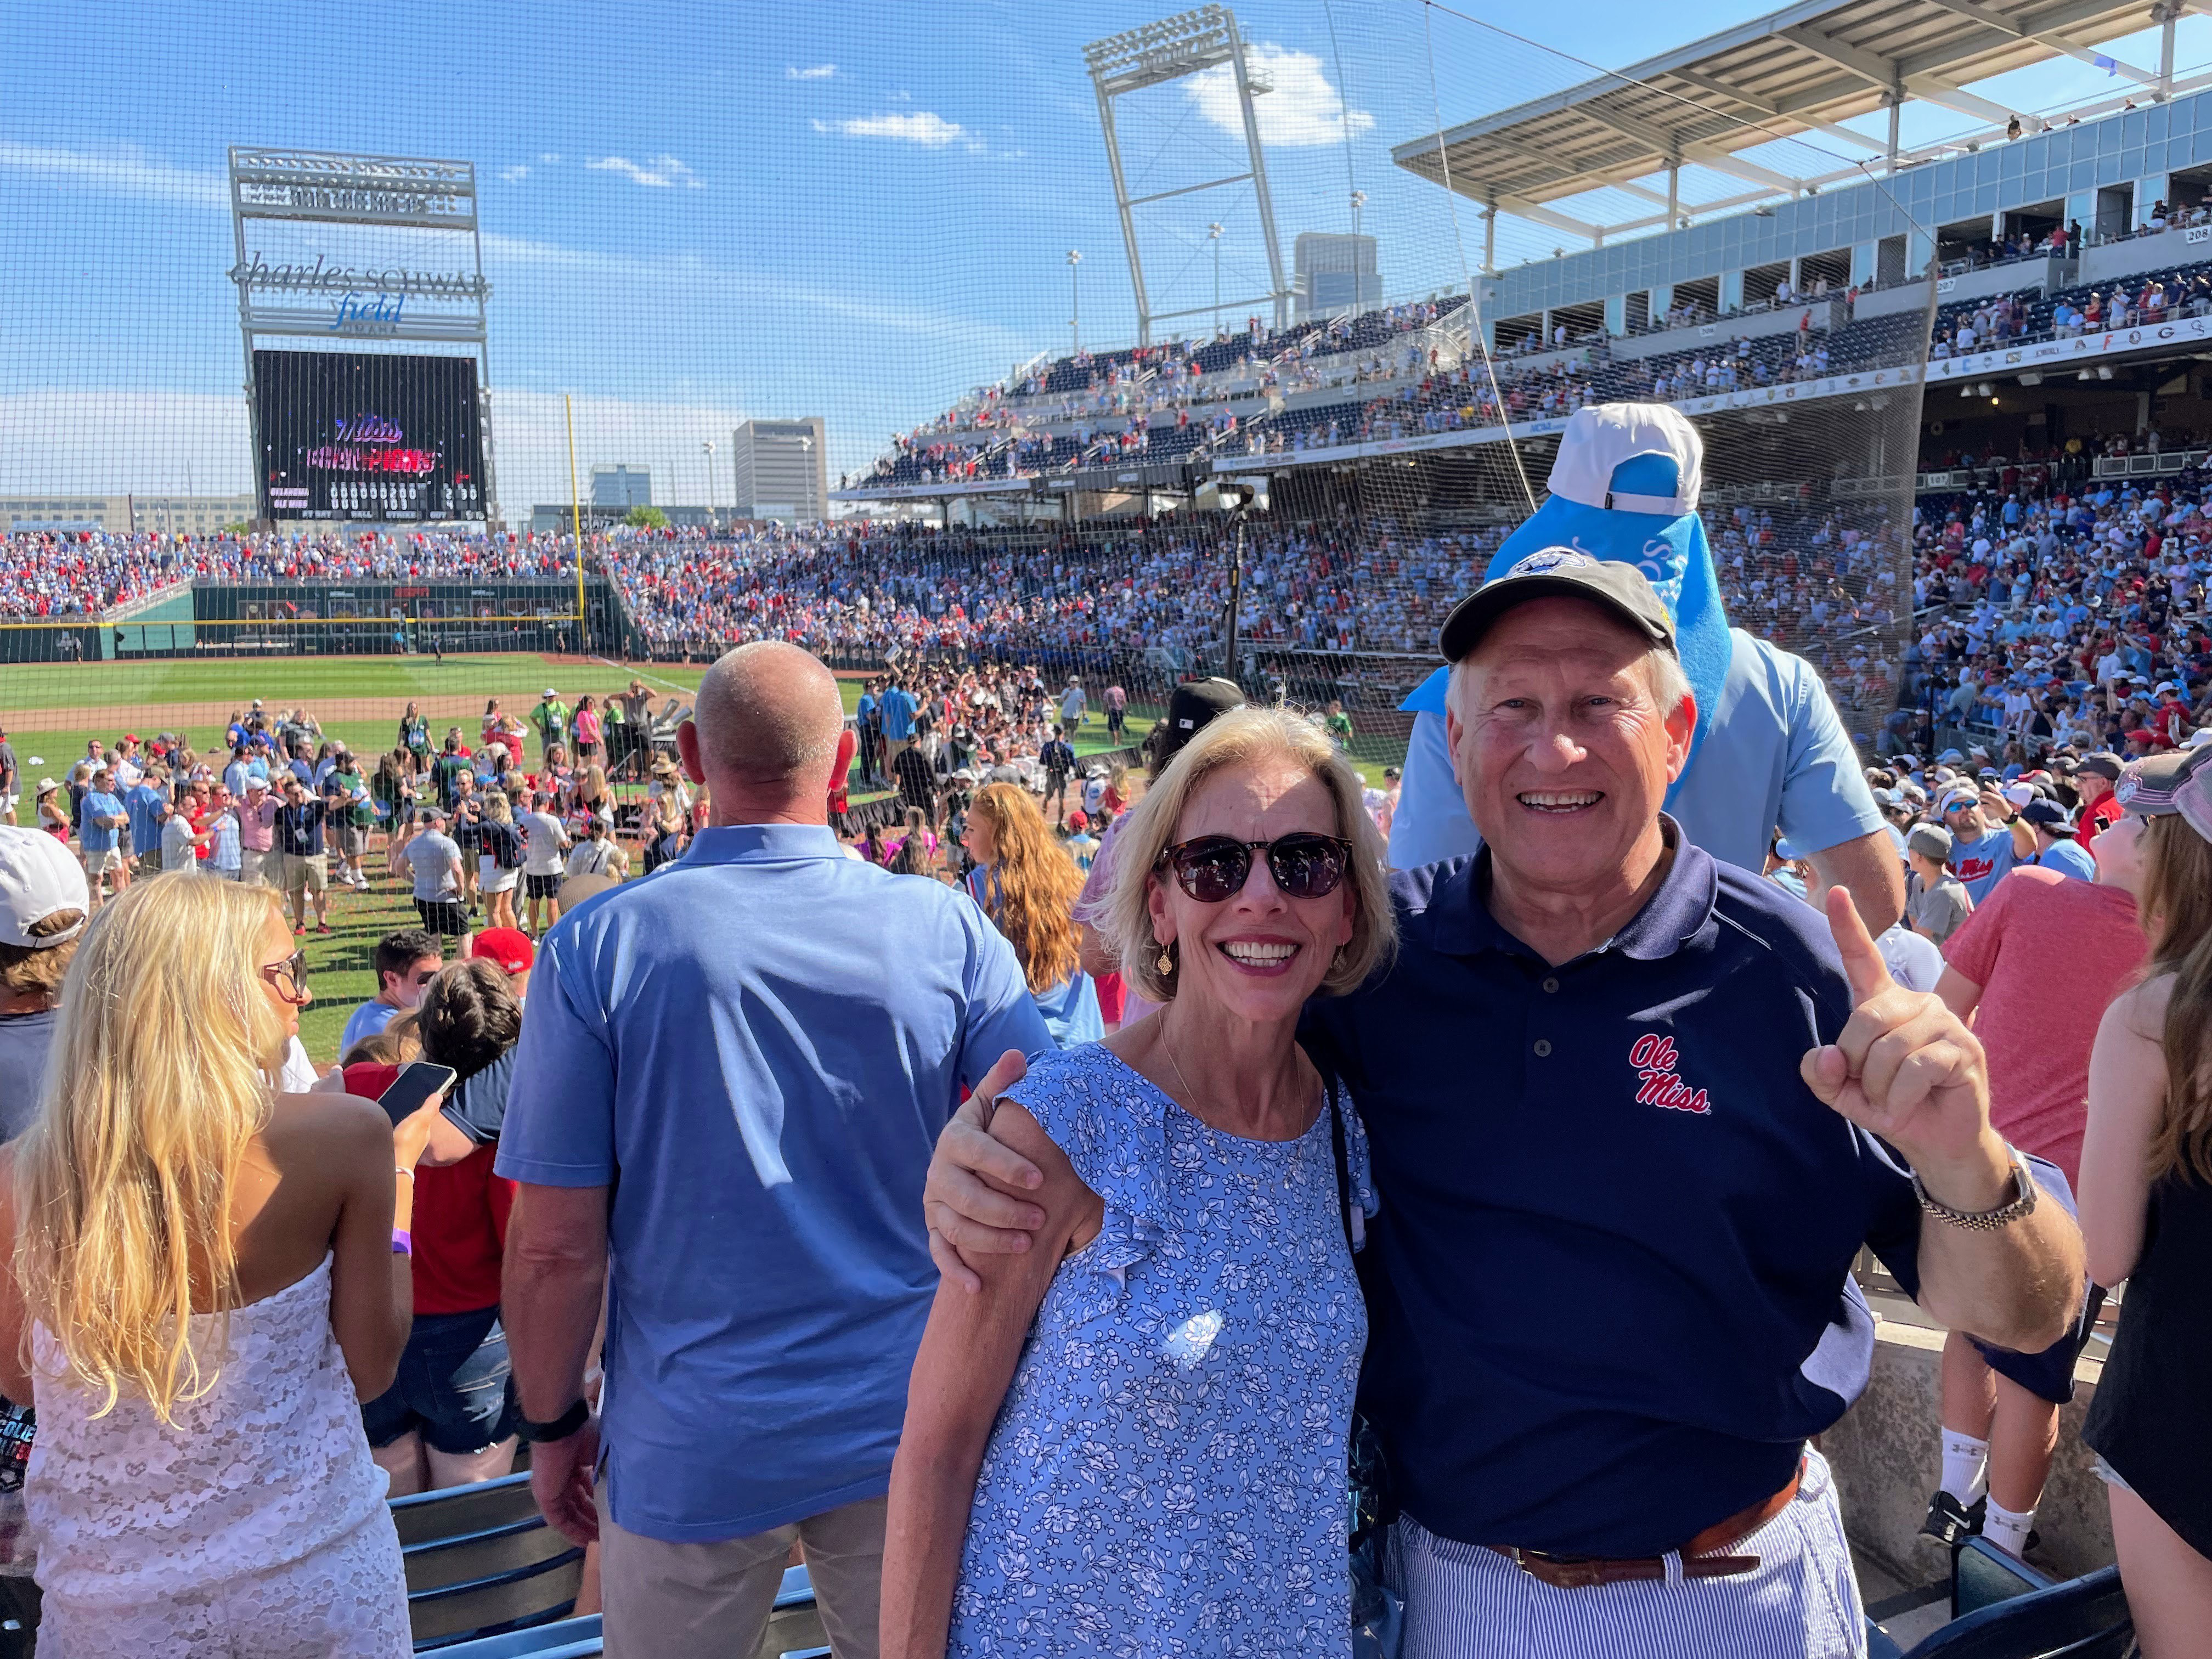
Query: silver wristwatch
x=1986, y=1221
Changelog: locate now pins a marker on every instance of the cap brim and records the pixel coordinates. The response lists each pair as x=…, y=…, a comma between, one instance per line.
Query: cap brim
x=1475, y=615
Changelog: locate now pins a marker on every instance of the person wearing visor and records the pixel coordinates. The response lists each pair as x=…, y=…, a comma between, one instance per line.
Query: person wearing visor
x=1768, y=750
x=1608, y=1074
x=2147, y=1207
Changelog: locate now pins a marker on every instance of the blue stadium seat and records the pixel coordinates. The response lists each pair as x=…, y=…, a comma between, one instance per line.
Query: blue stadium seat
x=480, y=1560
x=564, y=1638
x=2005, y=1610
x=1981, y=1575
x=454, y=1510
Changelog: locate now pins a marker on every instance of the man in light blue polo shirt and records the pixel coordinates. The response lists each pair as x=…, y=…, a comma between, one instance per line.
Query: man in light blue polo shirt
x=145, y=804
x=724, y=1100
x=1769, y=751
x=896, y=709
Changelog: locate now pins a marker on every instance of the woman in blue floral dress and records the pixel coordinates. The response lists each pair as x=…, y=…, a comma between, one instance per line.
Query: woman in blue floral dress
x=1133, y=1440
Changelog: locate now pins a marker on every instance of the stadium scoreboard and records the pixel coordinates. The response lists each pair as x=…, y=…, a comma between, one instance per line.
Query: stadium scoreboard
x=356, y=435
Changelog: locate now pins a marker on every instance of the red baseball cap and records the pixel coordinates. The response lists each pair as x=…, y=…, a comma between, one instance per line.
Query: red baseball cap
x=508, y=946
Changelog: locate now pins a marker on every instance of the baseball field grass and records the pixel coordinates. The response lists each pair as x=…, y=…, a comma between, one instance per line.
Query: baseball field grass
x=52, y=711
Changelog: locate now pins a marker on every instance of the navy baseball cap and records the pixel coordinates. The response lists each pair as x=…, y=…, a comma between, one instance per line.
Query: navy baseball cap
x=2049, y=816
x=1559, y=573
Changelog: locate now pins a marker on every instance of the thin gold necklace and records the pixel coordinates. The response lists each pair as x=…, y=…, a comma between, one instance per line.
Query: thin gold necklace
x=1168, y=1048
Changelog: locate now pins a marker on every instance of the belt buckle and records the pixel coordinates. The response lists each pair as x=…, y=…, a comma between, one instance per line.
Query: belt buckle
x=1561, y=1572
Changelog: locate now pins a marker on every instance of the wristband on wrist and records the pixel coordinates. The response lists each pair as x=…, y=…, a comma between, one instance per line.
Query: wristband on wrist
x=402, y=1241
x=559, y=1428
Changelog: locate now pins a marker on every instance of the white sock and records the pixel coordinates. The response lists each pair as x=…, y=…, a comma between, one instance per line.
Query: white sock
x=1966, y=1467
x=2008, y=1531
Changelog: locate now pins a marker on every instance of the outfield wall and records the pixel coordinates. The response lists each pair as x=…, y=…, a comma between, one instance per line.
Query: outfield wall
x=305, y=619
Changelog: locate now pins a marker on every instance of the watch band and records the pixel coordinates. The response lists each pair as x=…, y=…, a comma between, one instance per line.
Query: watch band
x=559, y=1429
x=2021, y=1203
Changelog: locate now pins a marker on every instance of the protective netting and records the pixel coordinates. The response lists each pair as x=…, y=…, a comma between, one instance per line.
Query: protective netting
x=378, y=371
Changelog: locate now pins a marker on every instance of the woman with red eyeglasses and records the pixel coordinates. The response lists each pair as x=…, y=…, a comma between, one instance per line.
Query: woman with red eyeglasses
x=1156, y=1399
x=210, y=1273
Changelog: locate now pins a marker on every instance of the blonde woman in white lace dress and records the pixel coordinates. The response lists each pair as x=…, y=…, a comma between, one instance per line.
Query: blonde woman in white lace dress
x=208, y=1277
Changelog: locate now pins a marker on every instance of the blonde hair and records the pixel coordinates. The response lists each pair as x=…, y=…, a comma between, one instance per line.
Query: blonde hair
x=161, y=1074
x=497, y=807
x=2176, y=911
x=1243, y=736
x=1033, y=885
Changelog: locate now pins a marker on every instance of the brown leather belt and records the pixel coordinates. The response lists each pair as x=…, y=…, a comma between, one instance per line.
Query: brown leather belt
x=1703, y=1556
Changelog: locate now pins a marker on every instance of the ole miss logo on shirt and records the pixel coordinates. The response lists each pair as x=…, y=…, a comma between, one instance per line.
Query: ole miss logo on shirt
x=1658, y=1082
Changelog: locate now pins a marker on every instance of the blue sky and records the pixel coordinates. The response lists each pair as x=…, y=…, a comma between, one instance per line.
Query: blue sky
x=695, y=214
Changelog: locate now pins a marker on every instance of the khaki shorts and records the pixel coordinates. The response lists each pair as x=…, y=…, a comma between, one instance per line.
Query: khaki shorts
x=102, y=864
x=255, y=866
x=304, y=872
x=674, y=1601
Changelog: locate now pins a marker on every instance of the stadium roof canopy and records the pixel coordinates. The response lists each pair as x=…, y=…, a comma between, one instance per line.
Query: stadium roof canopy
x=1794, y=73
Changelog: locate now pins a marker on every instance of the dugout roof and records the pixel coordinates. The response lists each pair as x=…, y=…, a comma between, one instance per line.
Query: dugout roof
x=1791, y=73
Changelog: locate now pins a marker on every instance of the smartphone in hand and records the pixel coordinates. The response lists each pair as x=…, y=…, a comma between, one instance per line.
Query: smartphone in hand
x=412, y=1087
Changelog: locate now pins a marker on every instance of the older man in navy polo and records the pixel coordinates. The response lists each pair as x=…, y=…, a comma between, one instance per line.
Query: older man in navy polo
x=1632, y=1112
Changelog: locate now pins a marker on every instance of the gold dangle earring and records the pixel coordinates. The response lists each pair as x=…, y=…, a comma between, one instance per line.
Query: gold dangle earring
x=1165, y=966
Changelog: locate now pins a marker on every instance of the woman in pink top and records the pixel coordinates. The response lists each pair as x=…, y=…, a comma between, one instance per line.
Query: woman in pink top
x=586, y=727
x=2034, y=968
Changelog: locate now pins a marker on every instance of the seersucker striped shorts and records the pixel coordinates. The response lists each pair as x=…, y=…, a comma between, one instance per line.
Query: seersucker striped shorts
x=1464, y=1602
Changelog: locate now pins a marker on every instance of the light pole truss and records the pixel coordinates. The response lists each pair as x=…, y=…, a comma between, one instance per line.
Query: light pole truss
x=1156, y=54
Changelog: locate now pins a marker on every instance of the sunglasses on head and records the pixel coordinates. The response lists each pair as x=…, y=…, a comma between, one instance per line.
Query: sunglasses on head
x=1305, y=866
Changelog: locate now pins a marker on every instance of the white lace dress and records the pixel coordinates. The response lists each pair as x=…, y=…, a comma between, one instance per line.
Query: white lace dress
x=254, y=1525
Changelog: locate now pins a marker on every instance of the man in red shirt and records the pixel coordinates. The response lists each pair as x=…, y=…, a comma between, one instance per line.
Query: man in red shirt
x=2033, y=968
x=2093, y=779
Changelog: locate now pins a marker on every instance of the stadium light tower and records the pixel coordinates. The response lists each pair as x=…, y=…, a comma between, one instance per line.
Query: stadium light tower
x=1213, y=235
x=709, y=447
x=1074, y=303
x=1189, y=43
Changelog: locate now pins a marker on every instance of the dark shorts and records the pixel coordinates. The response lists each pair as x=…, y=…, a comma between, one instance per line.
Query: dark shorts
x=540, y=887
x=454, y=1384
x=2049, y=1375
x=443, y=918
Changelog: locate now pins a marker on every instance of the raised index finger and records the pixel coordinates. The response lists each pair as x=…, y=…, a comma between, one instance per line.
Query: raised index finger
x=1863, y=965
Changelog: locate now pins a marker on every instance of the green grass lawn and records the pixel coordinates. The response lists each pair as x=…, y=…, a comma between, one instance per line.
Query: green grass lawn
x=51, y=710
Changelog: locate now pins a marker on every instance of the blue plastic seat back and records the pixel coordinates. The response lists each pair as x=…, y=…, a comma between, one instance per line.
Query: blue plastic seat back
x=2084, y=1618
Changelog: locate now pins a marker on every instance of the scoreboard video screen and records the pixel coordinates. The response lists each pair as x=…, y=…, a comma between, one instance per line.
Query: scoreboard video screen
x=357, y=436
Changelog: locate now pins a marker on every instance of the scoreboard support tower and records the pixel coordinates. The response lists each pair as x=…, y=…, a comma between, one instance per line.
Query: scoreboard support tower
x=346, y=294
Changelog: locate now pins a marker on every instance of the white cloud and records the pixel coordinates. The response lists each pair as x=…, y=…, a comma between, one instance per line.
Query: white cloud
x=818, y=72
x=126, y=171
x=660, y=172
x=550, y=157
x=923, y=127
x=1303, y=109
x=515, y=174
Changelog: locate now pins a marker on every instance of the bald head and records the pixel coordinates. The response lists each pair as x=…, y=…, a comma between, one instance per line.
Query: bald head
x=768, y=717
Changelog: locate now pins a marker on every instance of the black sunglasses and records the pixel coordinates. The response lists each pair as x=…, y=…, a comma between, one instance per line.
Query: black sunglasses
x=1305, y=866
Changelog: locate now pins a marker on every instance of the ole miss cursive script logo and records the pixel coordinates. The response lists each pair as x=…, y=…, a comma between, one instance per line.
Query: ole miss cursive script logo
x=1658, y=1081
